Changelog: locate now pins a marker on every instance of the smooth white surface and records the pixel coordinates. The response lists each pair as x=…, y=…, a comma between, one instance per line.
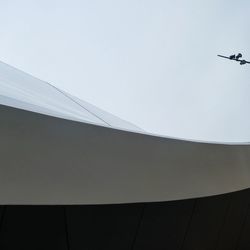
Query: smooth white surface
x=21, y=90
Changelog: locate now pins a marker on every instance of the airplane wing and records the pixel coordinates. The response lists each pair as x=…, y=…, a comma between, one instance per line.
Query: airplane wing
x=238, y=60
x=224, y=56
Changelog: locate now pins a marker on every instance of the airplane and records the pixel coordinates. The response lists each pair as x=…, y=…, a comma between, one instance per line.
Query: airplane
x=236, y=58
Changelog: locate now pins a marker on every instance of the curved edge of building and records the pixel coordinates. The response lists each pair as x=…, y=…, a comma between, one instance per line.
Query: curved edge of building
x=48, y=160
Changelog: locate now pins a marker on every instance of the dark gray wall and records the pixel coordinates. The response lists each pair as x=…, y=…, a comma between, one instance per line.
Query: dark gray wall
x=213, y=223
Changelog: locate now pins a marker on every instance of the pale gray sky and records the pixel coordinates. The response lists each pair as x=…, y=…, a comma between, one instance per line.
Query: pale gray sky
x=152, y=63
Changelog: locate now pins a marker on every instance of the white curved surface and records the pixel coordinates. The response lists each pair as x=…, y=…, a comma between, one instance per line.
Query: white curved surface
x=82, y=160
x=21, y=90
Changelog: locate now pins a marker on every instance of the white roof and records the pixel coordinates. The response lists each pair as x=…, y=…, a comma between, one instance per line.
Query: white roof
x=45, y=160
x=23, y=91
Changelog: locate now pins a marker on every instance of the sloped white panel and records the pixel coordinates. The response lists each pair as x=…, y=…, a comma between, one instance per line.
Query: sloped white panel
x=108, y=118
x=23, y=91
x=25, y=88
x=46, y=160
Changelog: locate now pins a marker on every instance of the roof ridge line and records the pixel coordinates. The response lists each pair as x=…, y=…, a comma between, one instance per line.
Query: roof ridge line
x=59, y=90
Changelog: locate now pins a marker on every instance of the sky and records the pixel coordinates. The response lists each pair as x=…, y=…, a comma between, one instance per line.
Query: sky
x=153, y=63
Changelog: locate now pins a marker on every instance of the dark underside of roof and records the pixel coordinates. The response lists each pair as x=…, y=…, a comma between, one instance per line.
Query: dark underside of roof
x=218, y=222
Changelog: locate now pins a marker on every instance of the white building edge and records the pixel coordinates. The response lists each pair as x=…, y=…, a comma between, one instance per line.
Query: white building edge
x=57, y=149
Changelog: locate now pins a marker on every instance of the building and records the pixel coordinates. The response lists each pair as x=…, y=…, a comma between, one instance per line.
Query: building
x=73, y=176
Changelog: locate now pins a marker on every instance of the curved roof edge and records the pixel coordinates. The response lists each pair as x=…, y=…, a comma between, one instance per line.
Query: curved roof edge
x=47, y=160
x=21, y=90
